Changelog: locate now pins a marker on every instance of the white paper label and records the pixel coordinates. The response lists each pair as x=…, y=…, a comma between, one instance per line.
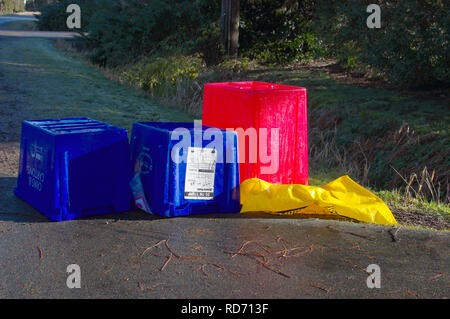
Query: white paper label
x=200, y=173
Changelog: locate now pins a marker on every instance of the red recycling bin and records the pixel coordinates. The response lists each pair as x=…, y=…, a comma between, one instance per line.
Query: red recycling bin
x=271, y=124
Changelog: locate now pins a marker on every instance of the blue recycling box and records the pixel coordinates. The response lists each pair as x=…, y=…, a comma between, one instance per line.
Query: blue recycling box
x=184, y=168
x=74, y=168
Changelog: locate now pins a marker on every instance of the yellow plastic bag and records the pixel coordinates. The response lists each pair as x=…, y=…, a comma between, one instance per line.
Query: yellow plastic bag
x=341, y=197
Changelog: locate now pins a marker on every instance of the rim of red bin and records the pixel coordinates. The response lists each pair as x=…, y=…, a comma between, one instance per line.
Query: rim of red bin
x=254, y=86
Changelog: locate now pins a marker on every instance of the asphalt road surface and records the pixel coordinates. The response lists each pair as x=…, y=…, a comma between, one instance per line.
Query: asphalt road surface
x=213, y=256
x=31, y=34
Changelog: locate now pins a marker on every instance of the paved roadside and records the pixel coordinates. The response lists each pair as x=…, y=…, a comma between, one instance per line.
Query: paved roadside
x=38, y=34
x=31, y=34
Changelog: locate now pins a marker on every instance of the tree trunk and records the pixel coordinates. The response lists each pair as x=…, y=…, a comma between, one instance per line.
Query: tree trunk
x=230, y=26
x=224, y=21
x=234, y=28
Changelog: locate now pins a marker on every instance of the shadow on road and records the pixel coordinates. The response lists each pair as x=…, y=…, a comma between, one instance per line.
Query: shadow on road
x=13, y=208
x=16, y=210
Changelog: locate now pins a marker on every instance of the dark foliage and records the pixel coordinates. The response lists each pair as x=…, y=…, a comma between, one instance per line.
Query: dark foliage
x=411, y=48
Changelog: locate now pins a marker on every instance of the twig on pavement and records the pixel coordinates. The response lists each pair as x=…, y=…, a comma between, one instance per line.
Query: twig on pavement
x=167, y=262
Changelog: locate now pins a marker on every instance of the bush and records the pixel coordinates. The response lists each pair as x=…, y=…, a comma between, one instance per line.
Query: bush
x=411, y=48
x=278, y=31
x=157, y=73
x=120, y=33
x=33, y=5
x=209, y=44
x=172, y=81
x=302, y=48
x=11, y=6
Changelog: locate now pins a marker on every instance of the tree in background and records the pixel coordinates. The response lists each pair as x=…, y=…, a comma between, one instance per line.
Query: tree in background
x=230, y=26
x=278, y=31
x=33, y=5
x=410, y=49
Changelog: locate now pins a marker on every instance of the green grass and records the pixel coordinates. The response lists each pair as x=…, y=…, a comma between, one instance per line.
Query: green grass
x=397, y=200
x=46, y=83
x=433, y=215
x=321, y=178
